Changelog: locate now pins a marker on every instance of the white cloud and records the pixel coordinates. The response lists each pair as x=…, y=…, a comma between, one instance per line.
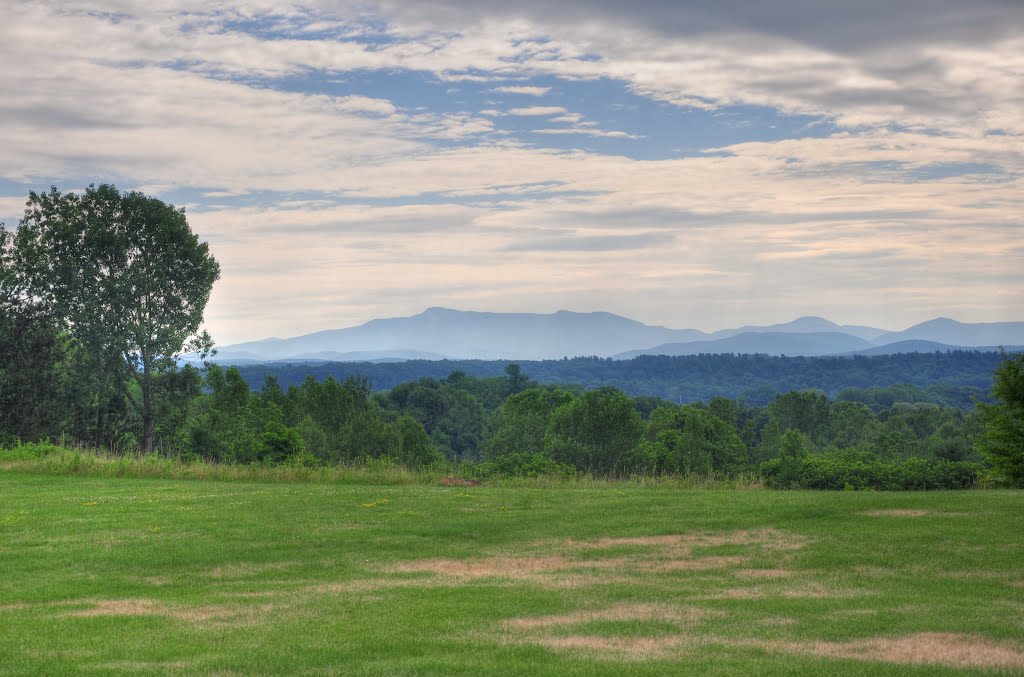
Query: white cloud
x=160, y=98
x=525, y=90
x=537, y=111
x=571, y=118
x=590, y=131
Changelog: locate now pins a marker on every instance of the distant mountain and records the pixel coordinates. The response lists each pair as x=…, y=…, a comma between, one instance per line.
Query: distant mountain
x=953, y=333
x=472, y=335
x=764, y=343
x=440, y=333
x=369, y=356
x=914, y=346
x=804, y=325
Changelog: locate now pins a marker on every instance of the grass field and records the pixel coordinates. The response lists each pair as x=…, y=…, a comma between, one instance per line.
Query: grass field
x=150, y=575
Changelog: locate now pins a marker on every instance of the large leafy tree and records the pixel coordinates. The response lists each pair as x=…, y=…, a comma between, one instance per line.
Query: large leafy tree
x=1003, y=439
x=127, y=278
x=31, y=350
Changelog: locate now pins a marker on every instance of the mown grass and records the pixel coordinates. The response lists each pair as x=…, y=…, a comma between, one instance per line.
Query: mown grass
x=114, y=575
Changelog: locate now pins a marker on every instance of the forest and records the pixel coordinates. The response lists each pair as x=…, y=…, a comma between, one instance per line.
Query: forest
x=952, y=378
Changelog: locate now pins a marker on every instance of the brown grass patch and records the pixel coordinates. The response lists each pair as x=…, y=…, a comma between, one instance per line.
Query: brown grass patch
x=627, y=648
x=574, y=564
x=803, y=591
x=621, y=612
x=771, y=539
x=779, y=620
x=244, y=569
x=765, y=573
x=897, y=512
x=925, y=648
x=142, y=666
x=483, y=568
x=697, y=564
x=20, y=606
x=150, y=607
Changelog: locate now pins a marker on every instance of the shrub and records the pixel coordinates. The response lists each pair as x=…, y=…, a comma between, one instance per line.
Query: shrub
x=525, y=465
x=277, y=443
x=862, y=470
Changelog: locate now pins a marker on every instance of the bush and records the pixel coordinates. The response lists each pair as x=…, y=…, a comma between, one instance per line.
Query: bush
x=862, y=470
x=525, y=465
x=29, y=451
x=278, y=443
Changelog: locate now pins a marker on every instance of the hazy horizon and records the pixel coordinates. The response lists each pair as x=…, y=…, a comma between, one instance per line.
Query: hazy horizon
x=569, y=310
x=696, y=165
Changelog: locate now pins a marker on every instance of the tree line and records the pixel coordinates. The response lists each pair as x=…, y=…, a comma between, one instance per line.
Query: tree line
x=953, y=378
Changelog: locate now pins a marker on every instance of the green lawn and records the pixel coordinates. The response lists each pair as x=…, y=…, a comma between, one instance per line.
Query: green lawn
x=119, y=575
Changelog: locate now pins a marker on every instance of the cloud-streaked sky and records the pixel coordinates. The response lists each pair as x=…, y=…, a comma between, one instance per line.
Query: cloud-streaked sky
x=694, y=164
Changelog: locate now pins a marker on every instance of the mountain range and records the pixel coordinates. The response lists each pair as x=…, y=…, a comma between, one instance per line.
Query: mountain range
x=440, y=333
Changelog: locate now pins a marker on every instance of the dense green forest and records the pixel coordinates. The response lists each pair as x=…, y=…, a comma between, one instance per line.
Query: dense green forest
x=512, y=425
x=954, y=378
x=99, y=293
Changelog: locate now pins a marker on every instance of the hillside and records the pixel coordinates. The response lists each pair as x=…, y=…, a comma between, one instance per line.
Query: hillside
x=757, y=378
x=763, y=343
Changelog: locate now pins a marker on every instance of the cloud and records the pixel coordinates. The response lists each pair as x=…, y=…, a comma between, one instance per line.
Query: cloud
x=836, y=25
x=537, y=111
x=595, y=243
x=525, y=90
x=339, y=203
x=590, y=131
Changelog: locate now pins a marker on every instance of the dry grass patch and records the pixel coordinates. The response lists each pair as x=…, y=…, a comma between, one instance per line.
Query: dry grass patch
x=709, y=563
x=143, y=666
x=810, y=590
x=189, y=614
x=246, y=569
x=621, y=612
x=764, y=573
x=897, y=512
x=779, y=621
x=623, y=648
x=571, y=565
x=769, y=539
x=506, y=566
x=925, y=648
x=545, y=630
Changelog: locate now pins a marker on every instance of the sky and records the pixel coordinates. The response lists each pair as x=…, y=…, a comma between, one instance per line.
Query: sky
x=699, y=164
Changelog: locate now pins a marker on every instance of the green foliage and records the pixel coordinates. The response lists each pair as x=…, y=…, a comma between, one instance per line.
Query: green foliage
x=861, y=470
x=786, y=469
x=1003, y=440
x=806, y=411
x=520, y=424
x=595, y=433
x=526, y=465
x=125, y=276
x=688, y=440
x=950, y=378
x=278, y=443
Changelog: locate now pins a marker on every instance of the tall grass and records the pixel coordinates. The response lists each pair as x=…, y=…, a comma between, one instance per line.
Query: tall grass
x=51, y=459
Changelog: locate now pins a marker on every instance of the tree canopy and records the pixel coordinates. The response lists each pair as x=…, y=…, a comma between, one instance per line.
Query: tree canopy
x=1003, y=440
x=125, y=276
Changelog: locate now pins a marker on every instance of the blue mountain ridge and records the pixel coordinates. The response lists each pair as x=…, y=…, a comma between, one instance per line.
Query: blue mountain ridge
x=439, y=333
